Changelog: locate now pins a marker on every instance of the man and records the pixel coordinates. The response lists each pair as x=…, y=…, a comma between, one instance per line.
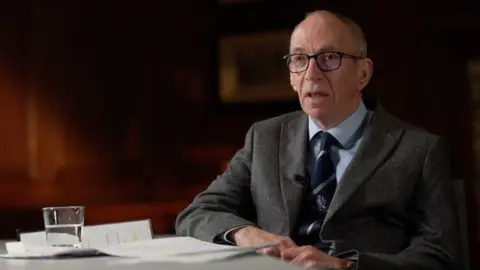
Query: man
x=336, y=184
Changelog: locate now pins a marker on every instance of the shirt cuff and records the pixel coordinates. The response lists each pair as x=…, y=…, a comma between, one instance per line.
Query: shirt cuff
x=353, y=258
x=227, y=237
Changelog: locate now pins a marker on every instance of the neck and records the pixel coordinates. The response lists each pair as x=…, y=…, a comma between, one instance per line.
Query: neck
x=337, y=117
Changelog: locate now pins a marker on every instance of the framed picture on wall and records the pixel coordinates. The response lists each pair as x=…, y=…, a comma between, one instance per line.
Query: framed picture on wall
x=252, y=68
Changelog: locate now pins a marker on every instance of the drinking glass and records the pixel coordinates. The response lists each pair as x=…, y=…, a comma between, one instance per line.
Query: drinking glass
x=64, y=225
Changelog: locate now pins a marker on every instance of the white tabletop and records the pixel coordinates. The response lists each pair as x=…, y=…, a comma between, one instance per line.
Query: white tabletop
x=248, y=262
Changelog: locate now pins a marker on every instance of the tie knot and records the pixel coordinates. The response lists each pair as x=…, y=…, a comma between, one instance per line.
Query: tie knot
x=326, y=141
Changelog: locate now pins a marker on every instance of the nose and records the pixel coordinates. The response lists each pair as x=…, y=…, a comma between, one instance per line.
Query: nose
x=313, y=72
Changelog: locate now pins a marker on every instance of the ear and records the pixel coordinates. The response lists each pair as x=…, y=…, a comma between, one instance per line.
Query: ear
x=366, y=72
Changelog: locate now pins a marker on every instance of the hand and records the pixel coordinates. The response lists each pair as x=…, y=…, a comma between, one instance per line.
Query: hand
x=310, y=256
x=250, y=236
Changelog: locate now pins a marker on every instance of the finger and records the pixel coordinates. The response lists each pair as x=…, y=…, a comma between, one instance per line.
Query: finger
x=310, y=264
x=271, y=251
x=344, y=264
x=287, y=242
x=300, y=259
x=285, y=247
x=309, y=261
x=263, y=250
x=291, y=253
x=291, y=243
x=297, y=255
x=335, y=263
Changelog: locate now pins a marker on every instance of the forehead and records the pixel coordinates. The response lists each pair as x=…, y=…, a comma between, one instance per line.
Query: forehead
x=320, y=33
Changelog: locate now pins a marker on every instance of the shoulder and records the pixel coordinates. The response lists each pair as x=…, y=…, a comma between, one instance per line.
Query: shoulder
x=412, y=134
x=275, y=123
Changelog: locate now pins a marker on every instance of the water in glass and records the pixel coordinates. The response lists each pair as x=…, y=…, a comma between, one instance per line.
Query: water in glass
x=64, y=225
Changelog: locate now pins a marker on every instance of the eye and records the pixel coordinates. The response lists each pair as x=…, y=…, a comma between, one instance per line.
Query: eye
x=329, y=56
x=298, y=58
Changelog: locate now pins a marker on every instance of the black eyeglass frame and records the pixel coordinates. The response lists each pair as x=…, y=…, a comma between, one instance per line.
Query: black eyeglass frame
x=310, y=56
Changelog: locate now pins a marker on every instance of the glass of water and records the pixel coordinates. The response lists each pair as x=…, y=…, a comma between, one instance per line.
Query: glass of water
x=64, y=225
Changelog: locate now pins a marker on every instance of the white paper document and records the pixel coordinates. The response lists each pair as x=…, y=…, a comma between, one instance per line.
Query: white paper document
x=101, y=235
x=170, y=249
x=178, y=249
x=34, y=244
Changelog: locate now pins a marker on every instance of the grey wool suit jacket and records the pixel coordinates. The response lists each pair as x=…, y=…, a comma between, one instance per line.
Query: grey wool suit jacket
x=393, y=207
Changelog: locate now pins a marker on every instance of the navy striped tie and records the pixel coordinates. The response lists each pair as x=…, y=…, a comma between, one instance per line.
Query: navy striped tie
x=323, y=183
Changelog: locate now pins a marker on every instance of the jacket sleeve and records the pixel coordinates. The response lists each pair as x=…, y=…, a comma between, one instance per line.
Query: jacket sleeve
x=225, y=204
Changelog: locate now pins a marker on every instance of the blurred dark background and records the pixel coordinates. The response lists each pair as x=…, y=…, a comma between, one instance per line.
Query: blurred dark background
x=116, y=105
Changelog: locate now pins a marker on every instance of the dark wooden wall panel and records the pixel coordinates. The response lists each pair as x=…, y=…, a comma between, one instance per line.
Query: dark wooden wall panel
x=113, y=104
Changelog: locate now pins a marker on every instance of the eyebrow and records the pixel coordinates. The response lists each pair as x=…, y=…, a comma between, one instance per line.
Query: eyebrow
x=325, y=48
x=297, y=50
x=328, y=48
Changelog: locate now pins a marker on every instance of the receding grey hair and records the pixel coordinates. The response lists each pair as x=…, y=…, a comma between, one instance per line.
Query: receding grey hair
x=356, y=31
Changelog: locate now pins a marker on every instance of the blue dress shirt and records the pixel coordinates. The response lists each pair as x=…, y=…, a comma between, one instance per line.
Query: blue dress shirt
x=348, y=133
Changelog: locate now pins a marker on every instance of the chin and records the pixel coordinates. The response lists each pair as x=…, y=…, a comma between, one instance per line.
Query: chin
x=315, y=112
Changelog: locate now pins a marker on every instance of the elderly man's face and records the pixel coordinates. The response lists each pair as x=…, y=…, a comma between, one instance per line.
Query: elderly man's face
x=326, y=94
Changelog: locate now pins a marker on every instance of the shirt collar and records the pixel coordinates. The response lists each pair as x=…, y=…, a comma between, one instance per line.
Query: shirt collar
x=345, y=130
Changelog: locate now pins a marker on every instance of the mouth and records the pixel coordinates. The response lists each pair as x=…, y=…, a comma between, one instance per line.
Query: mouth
x=317, y=94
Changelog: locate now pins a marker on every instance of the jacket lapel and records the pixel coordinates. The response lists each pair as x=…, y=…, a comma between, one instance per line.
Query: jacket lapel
x=378, y=141
x=292, y=162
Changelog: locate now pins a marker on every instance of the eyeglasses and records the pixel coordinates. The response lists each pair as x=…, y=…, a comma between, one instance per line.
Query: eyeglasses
x=326, y=61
